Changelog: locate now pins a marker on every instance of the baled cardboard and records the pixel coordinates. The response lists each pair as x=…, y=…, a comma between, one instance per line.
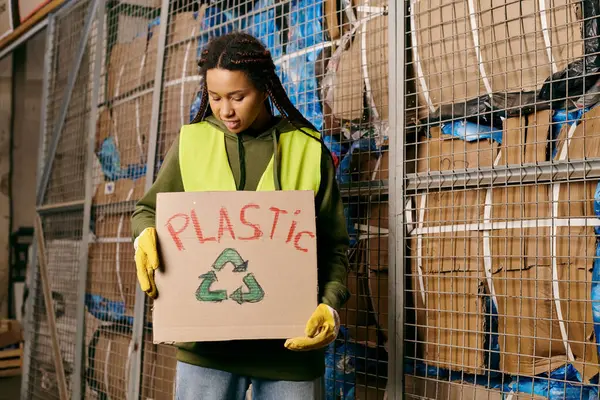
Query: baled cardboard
x=119, y=191
x=524, y=141
x=348, y=86
x=111, y=362
x=244, y=261
x=377, y=248
x=447, y=268
x=512, y=48
x=177, y=102
x=103, y=127
x=111, y=273
x=113, y=226
x=375, y=41
x=356, y=311
x=434, y=389
x=576, y=245
x=131, y=129
x=182, y=79
x=125, y=68
x=356, y=67
x=530, y=335
x=149, y=68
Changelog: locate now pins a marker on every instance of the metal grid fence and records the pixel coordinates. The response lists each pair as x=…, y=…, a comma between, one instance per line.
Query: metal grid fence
x=107, y=132
x=501, y=199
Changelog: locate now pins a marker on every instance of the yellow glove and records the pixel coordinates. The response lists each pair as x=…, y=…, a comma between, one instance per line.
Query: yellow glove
x=322, y=329
x=146, y=260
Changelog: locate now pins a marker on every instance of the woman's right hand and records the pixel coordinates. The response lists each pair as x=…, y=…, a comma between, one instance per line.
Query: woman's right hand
x=146, y=260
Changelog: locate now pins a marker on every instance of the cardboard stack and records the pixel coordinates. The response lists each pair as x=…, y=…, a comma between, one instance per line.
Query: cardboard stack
x=109, y=365
x=513, y=52
x=181, y=69
x=542, y=285
x=527, y=247
x=355, y=67
x=111, y=268
x=456, y=53
x=422, y=388
x=130, y=119
x=377, y=265
x=357, y=314
x=366, y=313
x=447, y=268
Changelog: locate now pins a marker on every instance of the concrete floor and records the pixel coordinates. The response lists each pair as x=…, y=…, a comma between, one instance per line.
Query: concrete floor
x=10, y=388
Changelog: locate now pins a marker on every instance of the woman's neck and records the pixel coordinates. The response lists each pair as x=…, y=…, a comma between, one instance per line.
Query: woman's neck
x=263, y=121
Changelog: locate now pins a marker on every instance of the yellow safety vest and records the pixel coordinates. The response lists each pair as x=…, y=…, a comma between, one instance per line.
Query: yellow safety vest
x=205, y=167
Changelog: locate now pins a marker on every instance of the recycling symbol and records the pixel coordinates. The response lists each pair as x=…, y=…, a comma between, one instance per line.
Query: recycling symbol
x=253, y=293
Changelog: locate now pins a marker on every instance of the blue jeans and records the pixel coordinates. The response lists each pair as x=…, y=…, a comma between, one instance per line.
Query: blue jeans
x=198, y=383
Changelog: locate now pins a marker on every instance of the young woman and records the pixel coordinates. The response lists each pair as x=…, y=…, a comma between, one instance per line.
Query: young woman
x=236, y=143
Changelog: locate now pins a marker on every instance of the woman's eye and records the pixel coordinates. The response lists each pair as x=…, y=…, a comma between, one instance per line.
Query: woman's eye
x=238, y=98
x=215, y=99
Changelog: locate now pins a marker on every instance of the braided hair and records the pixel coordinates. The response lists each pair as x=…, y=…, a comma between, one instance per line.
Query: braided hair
x=240, y=51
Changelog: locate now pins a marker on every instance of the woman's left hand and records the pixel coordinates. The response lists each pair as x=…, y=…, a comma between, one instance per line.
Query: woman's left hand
x=322, y=329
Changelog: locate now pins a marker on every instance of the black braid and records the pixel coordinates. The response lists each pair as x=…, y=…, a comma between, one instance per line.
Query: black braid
x=203, y=105
x=240, y=51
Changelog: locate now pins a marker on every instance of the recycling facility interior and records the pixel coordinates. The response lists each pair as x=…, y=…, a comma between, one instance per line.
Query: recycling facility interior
x=128, y=84
x=484, y=111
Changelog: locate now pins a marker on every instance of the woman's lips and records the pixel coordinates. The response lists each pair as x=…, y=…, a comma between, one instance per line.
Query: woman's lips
x=232, y=124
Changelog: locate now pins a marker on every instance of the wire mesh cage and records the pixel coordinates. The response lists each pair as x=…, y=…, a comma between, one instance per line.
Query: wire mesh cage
x=137, y=83
x=500, y=219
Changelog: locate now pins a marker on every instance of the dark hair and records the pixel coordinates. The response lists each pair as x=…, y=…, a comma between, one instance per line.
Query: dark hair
x=240, y=51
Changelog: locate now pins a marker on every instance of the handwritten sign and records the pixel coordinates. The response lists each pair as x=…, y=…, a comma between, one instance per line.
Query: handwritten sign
x=235, y=265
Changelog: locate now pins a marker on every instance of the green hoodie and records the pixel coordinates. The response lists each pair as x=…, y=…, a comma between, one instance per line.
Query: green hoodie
x=248, y=154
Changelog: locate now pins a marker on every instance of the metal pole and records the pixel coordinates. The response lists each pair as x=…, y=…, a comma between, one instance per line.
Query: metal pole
x=32, y=286
x=506, y=175
x=396, y=293
x=78, y=384
x=137, y=340
x=73, y=73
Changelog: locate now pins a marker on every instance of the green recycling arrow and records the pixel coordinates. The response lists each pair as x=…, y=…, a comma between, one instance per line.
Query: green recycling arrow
x=233, y=257
x=205, y=294
x=255, y=294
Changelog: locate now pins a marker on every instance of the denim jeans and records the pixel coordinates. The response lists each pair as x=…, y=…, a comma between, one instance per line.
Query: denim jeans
x=198, y=383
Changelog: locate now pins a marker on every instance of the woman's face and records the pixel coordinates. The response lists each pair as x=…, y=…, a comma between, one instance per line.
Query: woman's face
x=235, y=100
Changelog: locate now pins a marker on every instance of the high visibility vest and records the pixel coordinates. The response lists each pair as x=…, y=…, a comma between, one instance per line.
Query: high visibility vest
x=205, y=167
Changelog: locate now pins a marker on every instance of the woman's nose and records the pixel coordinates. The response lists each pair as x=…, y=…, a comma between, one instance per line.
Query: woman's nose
x=226, y=110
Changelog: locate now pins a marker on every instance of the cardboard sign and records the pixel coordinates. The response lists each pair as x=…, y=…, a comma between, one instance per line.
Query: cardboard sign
x=235, y=265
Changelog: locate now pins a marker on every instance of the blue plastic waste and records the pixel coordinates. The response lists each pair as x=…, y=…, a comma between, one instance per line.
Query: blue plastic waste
x=562, y=383
x=107, y=310
x=340, y=368
x=364, y=144
x=108, y=155
x=299, y=78
x=595, y=286
x=471, y=131
x=262, y=26
x=109, y=159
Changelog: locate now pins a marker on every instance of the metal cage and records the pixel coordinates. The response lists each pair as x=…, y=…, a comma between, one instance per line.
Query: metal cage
x=121, y=78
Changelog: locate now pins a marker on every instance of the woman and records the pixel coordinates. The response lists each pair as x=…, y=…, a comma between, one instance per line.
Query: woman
x=236, y=143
